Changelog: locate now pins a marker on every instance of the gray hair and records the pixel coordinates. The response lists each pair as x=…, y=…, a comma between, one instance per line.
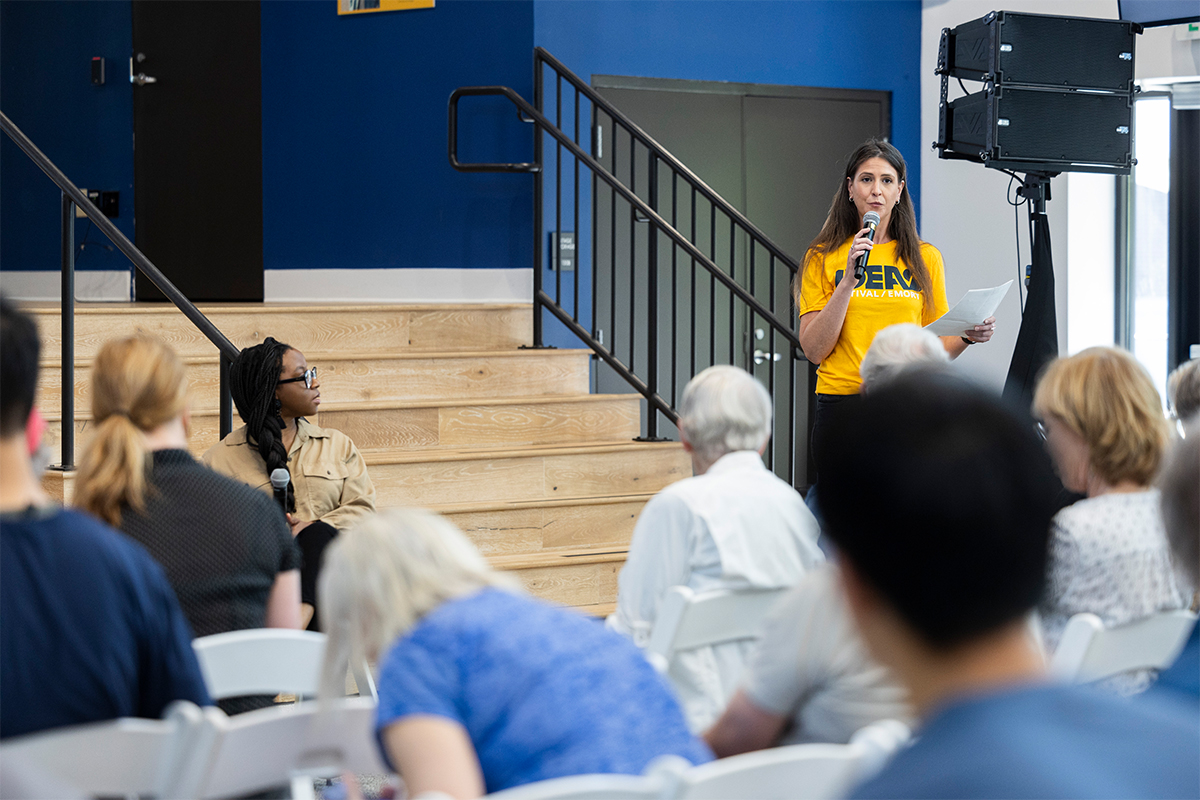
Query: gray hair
x=897, y=348
x=381, y=576
x=1178, y=483
x=724, y=410
x=1183, y=390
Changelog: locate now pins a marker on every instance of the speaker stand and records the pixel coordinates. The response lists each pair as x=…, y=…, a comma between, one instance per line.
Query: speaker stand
x=1037, y=340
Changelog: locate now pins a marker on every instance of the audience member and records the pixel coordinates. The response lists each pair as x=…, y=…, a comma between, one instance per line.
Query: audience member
x=329, y=490
x=1180, y=482
x=810, y=679
x=90, y=627
x=1106, y=433
x=733, y=525
x=1183, y=391
x=897, y=348
x=939, y=500
x=226, y=548
x=482, y=688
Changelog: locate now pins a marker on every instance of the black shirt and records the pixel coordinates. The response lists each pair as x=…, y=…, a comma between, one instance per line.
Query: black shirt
x=220, y=542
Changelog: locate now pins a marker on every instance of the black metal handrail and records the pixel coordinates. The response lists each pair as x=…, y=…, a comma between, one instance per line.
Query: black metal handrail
x=72, y=198
x=748, y=304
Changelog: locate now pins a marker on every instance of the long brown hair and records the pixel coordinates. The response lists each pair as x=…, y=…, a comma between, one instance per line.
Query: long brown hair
x=138, y=383
x=843, y=221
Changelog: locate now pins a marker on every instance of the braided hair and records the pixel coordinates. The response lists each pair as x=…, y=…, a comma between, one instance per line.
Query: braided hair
x=253, y=377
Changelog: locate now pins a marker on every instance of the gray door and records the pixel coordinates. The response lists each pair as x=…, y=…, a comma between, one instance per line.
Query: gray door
x=775, y=153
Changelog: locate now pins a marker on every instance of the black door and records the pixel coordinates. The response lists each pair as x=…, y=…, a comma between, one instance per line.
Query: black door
x=197, y=123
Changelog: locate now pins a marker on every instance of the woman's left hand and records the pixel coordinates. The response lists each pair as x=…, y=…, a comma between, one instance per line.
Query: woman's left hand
x=983, y=331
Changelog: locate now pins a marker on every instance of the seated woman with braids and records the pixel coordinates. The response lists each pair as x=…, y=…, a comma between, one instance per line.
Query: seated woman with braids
x=276, y=393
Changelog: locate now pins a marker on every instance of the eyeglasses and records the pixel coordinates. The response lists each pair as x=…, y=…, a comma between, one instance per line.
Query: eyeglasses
x=309, y=378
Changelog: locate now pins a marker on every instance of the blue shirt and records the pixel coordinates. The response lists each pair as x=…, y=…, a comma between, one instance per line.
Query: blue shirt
x=1047, y=741
x=89, y=627
x=542, y=691
x=1183, y=677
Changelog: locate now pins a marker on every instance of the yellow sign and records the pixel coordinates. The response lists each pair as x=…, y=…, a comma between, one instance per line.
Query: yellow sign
x=369, y=6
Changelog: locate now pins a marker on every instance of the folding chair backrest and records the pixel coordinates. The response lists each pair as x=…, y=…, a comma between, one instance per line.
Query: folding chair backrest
x=586, y=787
x=259, y=750
x=261, y=661
x=1090, y=652
x=688, y=620
x=800, y=772
x=126, y=756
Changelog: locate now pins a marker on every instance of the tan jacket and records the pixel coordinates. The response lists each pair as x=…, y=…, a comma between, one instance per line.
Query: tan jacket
x=328, y=473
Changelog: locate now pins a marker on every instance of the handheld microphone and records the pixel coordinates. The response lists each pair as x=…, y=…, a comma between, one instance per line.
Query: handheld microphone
x=870, y=222
x=280, y=478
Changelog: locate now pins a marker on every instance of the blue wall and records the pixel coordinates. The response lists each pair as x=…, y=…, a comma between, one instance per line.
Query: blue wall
x=46, y=50
x=355, y=172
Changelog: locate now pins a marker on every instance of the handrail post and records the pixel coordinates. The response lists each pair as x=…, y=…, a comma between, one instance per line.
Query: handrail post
x=538, y=180
x=226, y=408
x=67, y=332
x=652, y=303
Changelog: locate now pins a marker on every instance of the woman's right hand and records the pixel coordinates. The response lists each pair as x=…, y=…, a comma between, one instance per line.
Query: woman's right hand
x=861, y=245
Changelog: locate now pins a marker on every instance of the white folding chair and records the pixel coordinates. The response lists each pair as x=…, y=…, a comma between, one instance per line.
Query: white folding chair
x=1090, y=652
x=120, y=757
x=582, y=787
x=267, y=661
x=811, y=771
x=286, y=745
x=688, y=620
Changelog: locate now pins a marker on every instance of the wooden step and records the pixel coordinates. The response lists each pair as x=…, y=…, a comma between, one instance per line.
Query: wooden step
x=566, y=523
x=535, y=473
x=307, y=326
x=391, y=425
x=405, y=377
x=578, y=578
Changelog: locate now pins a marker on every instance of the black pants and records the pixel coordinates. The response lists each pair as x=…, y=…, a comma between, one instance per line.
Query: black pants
x=830, y=407
x=312, y=541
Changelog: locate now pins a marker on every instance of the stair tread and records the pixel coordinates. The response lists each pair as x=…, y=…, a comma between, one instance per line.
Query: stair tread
x=411, y=456
x=51, y=307
x=558, y=558
x=556, y=502
x=449, y=402
x=378, y=355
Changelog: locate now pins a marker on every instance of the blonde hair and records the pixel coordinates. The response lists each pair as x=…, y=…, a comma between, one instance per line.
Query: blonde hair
x=382, y=576
x=1106, y=397
x=138, y=383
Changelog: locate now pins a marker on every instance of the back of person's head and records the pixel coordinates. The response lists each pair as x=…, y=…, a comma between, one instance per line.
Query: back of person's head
x=253, y=378
x=19, y=351
x=724, y=410
x=1106, y=397
x=138, y=383
x=941, y=498
x=1180, y=486
x=385, y=574
x=897, y=348
x=1183, y=390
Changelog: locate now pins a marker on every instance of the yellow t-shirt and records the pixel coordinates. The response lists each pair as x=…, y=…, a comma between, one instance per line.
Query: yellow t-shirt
x=887, y=295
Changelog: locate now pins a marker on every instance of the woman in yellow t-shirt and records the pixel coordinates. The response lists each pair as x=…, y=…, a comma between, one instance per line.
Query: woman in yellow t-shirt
x=904, y=280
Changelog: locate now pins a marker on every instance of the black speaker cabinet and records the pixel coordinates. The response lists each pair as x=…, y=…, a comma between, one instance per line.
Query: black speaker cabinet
x=1008, y=48
x=1040, y=130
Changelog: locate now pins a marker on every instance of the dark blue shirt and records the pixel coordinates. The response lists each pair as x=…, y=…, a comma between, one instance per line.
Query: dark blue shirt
x=1047, y=742
x=89, y=627
x=542, y=691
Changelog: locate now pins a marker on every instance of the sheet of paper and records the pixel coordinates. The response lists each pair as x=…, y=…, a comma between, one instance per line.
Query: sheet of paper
x=975, y=306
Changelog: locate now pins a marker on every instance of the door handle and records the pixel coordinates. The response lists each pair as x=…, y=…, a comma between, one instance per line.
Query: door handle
x=141, y=79
x=760, y=356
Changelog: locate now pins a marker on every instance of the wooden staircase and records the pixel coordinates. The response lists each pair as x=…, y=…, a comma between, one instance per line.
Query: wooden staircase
x=450, y=414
